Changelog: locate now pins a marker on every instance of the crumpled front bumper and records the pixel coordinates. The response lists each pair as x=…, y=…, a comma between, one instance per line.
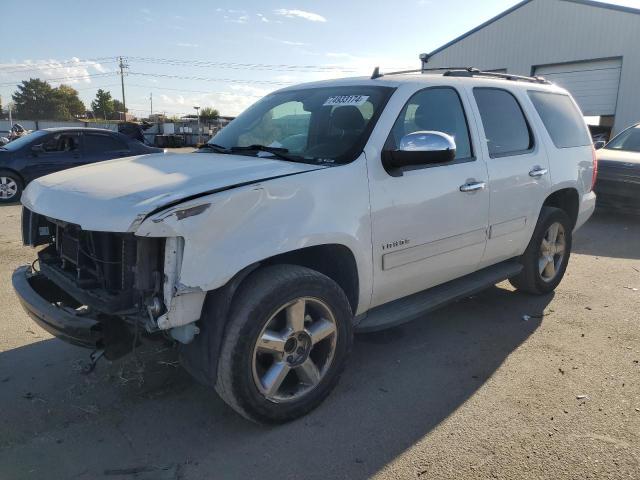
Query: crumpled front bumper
x=38, y=296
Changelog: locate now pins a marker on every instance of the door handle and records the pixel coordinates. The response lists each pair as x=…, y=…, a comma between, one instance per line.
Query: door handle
x=473, y=187
x=538, y=172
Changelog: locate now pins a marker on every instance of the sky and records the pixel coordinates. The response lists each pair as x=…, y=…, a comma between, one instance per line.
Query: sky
x=222, y=54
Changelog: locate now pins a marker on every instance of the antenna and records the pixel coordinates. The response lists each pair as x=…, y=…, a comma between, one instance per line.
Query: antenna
x=376, y=73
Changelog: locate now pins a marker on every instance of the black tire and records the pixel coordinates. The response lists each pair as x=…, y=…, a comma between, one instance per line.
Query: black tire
x=259, y=297
x=10, y=178
x=531, y=280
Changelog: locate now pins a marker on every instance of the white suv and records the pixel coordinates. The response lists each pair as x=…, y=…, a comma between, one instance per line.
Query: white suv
x=327, y=208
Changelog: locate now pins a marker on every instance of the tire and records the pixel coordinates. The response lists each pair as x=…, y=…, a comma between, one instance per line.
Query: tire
x=10, y=187
x=534, y=278
x=275, y=381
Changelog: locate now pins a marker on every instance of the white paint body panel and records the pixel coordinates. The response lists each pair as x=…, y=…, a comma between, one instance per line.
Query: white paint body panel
x=262, y=207
x=109, y=196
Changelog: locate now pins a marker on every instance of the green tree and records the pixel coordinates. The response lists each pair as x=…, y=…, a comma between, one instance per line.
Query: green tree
x=35, y=100
x=103, y=105
x=117, y=108
x=69, y=104
x=209, y=113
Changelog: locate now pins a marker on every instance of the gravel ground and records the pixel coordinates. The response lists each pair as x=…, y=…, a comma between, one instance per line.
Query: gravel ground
x=472, y=391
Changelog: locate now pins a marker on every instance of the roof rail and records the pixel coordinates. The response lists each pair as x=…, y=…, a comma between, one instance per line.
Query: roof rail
x=464, y=72
x=378, y=74
x=474, y=72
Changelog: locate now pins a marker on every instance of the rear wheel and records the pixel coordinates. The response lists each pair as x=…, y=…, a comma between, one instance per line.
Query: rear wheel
x=286, y=343
x=547, y=256
x=10, y=187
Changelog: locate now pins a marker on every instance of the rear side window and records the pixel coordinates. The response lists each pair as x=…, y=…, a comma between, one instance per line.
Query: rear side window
x=98, y=143
x=561, y=118
x=505, y=125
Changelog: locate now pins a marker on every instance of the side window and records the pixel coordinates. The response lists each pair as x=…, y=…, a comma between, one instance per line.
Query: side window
x=98, y=143
x=505, y=125
x=61, y=142
x=434, y=109
x=561, y=118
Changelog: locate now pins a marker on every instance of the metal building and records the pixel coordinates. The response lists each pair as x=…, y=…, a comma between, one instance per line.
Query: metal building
x=591, y=48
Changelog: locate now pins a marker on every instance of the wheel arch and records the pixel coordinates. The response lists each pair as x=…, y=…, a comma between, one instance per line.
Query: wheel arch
x=200, y=357
x=14, y=172
x=567, y=199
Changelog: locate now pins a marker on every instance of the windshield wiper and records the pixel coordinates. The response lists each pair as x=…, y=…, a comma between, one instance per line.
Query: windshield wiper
x=215, y=147
x=279, y=152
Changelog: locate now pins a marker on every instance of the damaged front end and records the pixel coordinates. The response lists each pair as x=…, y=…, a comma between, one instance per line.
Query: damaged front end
x=99, y=290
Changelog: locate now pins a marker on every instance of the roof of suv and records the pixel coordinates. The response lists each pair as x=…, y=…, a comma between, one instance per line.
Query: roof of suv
x=396, y=80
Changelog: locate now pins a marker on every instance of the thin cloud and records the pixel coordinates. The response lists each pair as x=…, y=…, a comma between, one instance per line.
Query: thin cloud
x=286, y=42
x=187, y=45
x=312, y=17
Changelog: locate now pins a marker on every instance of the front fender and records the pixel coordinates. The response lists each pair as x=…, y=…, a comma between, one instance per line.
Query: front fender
x=226, y=232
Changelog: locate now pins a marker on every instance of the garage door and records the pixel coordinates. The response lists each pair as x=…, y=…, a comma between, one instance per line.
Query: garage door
x=593, y=84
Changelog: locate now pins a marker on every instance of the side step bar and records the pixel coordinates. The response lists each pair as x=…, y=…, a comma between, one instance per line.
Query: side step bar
x=414, y=306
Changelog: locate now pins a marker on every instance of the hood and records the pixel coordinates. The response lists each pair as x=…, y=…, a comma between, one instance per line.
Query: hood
x=110, y=196
x=623, y=156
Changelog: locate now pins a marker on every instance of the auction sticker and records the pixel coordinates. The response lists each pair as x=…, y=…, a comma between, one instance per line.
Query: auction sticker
x=346, y=100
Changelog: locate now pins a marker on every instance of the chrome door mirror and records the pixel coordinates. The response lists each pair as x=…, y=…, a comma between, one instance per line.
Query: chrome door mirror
x=422, y=148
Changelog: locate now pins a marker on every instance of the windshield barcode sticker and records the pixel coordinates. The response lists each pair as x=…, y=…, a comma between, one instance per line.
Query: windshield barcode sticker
x=344, y=100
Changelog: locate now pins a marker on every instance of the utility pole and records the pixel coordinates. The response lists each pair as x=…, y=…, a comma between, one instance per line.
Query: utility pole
x=122, y=66
x=151, y=98
x=198, y=111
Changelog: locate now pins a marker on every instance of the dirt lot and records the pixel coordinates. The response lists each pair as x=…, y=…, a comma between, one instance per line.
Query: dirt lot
x=473, y=391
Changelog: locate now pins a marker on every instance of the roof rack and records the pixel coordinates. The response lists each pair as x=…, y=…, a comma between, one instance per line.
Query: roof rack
x=464, y=72
x=474, y=72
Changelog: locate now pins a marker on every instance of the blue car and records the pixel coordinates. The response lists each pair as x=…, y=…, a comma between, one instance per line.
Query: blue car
x=50, y=150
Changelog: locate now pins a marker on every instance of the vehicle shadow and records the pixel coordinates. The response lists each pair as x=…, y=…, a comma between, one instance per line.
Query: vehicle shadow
x=609, y=234
x=148, y=414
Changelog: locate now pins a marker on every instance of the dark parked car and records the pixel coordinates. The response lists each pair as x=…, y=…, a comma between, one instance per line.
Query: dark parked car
x=53, y=149
x=618, y=184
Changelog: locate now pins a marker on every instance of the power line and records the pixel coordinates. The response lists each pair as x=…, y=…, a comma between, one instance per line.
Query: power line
x=241, y=66
x=208, y=79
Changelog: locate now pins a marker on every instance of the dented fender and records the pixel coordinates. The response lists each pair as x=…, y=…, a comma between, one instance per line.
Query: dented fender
x=212, y=238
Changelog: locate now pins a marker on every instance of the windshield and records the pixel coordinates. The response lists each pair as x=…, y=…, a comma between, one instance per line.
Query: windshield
x=326, y=124
x=18, y=143
x=628, y=140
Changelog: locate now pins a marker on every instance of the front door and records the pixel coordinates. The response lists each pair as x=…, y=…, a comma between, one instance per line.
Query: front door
x=58, y=151
x=429, y=223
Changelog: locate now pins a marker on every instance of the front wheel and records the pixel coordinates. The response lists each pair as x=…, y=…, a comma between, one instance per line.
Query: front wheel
x=286, y=343
x=547, y=256
x=10, y=187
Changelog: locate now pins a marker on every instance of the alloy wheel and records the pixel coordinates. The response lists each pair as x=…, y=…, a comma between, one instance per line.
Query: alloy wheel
x=294, y=350
x=552, y=252
x=8, y=188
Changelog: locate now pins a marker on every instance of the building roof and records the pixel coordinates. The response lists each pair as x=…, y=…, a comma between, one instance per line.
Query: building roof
x=591, y=3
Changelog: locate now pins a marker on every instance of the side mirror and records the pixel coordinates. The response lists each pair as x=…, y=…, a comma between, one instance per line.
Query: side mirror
x=37, y=149
x=421, y=148
x=599, y=144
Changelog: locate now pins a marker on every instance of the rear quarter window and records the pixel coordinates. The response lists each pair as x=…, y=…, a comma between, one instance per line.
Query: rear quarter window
x=561, y=118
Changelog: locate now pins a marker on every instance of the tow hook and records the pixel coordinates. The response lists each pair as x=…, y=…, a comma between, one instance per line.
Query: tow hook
x=93, y=357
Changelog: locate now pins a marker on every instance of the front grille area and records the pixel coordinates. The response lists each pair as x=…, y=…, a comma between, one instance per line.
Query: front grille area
x=115, y=273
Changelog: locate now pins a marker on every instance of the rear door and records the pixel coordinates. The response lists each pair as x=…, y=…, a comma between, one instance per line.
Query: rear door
x=519, y=178
x=98, y=146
